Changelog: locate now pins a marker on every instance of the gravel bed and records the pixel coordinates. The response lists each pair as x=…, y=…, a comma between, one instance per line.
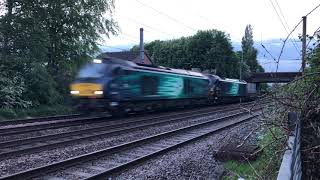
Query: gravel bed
x=193, y=161
x=24, y=162
x=125, y=155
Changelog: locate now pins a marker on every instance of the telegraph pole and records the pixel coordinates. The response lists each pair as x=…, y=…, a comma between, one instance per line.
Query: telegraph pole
x=240, y=69
x=304, y=34
x=141, y=46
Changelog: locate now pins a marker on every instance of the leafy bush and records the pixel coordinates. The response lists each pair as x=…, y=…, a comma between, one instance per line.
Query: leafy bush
x=44, y=110
x=41, y=88
x=6, y=113
x=268, y=162
x=12, y=88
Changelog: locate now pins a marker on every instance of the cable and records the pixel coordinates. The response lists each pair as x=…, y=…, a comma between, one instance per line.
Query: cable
x=130, y=36
x=268, y=52
x=285, y=28
x=284, y=42
x=313, y=9
x=150, y=27
x=286, y=23
x=291, y=33
x=169, y=17
x=112, y=47
x=115, y=48
x=313, y=36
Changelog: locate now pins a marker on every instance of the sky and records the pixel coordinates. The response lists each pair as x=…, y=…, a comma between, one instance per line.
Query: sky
x=169, y=19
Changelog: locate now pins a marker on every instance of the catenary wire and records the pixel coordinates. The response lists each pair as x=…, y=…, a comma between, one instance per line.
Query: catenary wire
x=166, y=15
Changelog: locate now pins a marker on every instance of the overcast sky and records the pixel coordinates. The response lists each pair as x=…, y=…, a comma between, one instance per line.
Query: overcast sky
x=168, y=19
x=176, y=18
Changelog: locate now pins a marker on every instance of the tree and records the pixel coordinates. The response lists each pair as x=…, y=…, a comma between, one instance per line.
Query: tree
x=207, y=50
x=249, y=52
x=51, y=36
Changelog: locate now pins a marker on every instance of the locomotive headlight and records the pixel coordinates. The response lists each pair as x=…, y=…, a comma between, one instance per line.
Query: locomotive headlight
x=98, y=61
x=98, y=92
x=74, y=92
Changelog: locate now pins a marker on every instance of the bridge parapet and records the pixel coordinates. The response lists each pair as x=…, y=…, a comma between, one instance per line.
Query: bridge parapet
x=271, y=77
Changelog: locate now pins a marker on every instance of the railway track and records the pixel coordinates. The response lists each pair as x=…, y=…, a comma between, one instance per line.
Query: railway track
x=38, y=119
x=51, y=125
x=79, y=121
x=35, y=144
x=106, y=162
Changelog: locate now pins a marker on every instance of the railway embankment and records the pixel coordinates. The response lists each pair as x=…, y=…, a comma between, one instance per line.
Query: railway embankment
x=165, y=145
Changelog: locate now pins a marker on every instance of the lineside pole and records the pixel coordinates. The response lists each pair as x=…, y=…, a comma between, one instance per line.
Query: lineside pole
x=304, y=36
x=240, y=68
x=141, y=46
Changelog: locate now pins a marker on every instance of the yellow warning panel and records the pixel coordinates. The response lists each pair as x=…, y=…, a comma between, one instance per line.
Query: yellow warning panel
x=86, y=89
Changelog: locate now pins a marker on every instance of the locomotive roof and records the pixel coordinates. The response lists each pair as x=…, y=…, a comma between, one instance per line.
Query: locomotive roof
x=153, y=68
x=234, y=80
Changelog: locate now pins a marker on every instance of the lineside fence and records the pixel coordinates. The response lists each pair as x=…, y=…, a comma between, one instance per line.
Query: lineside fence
x=290, y=168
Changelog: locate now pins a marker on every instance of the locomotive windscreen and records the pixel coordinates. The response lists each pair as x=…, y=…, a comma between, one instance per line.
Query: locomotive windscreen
x=93, y=70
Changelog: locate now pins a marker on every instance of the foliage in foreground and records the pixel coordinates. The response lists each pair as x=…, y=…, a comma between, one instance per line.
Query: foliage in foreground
x=267, y=163
x=303, y=96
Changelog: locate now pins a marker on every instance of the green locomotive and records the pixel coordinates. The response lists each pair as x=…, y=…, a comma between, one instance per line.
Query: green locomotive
x=121, y=86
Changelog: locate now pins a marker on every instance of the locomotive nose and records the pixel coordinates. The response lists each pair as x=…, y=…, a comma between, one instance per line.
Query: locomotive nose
x=86, y=89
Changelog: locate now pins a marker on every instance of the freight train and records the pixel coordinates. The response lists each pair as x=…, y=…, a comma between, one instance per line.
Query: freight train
x=120, y=86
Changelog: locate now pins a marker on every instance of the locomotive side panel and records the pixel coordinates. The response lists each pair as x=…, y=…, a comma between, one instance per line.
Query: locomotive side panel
x=144, y=85
x=231, y=89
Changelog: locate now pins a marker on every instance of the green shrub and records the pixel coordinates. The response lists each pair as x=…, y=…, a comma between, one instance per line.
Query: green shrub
x=41, y=87
x=44, y=111
x=6, y=113
x=12, y=87
x=267, y=163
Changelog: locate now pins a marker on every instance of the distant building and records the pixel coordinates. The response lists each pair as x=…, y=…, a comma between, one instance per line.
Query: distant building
x=129, y=56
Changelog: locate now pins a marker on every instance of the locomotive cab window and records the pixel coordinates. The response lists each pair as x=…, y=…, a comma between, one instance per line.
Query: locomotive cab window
x=188, y=89
x=93, y=70
x=149, y=85
x=117, y=71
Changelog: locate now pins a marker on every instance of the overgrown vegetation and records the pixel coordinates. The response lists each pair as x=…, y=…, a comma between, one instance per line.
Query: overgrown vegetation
x=42, y=110
x=43, y=44
x=267, y=163
x=301, y=96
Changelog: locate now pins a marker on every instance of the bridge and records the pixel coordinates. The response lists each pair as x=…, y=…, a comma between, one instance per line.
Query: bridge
x=272, y=77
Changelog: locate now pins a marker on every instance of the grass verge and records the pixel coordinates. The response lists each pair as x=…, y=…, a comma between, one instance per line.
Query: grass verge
x=267, y=164
x=7, y=114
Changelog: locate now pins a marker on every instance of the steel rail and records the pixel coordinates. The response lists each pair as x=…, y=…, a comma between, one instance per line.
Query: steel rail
x=33, y=145
x=40, y=171
x=54, y=125
x=73, y=122
x=37, y=119
x=109, y=172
